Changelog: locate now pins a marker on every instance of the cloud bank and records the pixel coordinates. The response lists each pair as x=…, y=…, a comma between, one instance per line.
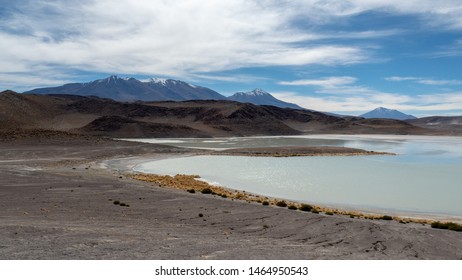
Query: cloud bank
x=343, y=94
x=185, y=37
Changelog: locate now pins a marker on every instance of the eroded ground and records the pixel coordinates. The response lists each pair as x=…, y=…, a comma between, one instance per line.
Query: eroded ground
x=57, y=203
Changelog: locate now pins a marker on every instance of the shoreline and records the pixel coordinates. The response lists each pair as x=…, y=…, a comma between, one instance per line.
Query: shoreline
x=194, y=184
x=70, y=200
x=357, y=211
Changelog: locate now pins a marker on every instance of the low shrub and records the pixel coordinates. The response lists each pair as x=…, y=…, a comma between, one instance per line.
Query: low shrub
x=281, y=203
x=206, y=191
x=314, y=211
x=305, y=207
x=386, y=218
x=455, y=227
x=435, y=225
x=266, y=203
x=449, y=226
x=329, y=213
x=292, y=207
x=122, y=204
x=191, y=191
x=116, y=202
x=201, y=215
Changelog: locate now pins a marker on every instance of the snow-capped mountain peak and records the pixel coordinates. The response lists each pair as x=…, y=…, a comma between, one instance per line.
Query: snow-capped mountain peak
x=261, y=97
x=161, y=81
x=257, y=91
x=167, y=82
x=112, y=79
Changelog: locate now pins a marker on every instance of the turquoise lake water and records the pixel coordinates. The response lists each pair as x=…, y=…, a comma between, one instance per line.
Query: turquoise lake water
x=424, y=178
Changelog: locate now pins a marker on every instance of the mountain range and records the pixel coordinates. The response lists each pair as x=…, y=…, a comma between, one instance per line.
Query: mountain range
x=156, y=89
x=131, y=89
x=384, y=113
x=92, y=115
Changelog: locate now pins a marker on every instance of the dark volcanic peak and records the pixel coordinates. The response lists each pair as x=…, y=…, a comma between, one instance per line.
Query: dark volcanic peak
x=131, y=89
x=261, y=97
x=384, y=113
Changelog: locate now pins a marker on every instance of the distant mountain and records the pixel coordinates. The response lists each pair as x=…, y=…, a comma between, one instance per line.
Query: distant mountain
x=384, y=113
x=157, y=89
x=452, y=124
x=129, y=89
x=261, y=97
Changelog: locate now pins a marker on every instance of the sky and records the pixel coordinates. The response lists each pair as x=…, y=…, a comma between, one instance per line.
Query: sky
x=340, y=56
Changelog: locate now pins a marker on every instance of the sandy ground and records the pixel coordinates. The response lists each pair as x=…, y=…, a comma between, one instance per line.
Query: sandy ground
x=57, y=203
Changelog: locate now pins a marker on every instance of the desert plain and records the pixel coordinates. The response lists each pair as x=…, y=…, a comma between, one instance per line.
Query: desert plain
x=57, y=197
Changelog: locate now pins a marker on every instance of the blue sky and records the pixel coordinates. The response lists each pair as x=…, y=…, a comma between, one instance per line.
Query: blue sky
x=339, y=56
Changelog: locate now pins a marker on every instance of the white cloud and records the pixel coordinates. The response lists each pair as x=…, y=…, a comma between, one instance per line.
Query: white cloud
x=11, y=80
x=343, y=95
x=184, y=37
x=175, y=38
x=355, y=105
x=445, y=13
x=344, y=85
x=400, y=79
x=425, y=81
x=454, y=49
x=440, y=82
x=329, y=82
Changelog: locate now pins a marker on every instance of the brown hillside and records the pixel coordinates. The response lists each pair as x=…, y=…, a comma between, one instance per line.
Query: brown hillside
x=197, y=118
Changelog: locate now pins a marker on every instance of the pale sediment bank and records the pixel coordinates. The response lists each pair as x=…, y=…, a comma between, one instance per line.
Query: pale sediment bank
x=292, y=151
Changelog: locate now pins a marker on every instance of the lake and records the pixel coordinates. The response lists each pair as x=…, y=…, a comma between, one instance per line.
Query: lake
x=424, y=178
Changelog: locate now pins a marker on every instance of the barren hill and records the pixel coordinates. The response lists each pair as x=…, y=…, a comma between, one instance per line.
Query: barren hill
x=196, y=118
x=451, y=125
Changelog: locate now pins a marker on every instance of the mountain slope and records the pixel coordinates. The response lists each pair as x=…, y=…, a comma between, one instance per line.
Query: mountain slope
x=261, y=97
x=116, y=126
x=195, y=118
x=20, y=110
x=450, y=124
x=179, y=90
x=131, y=89
x=384, y=113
